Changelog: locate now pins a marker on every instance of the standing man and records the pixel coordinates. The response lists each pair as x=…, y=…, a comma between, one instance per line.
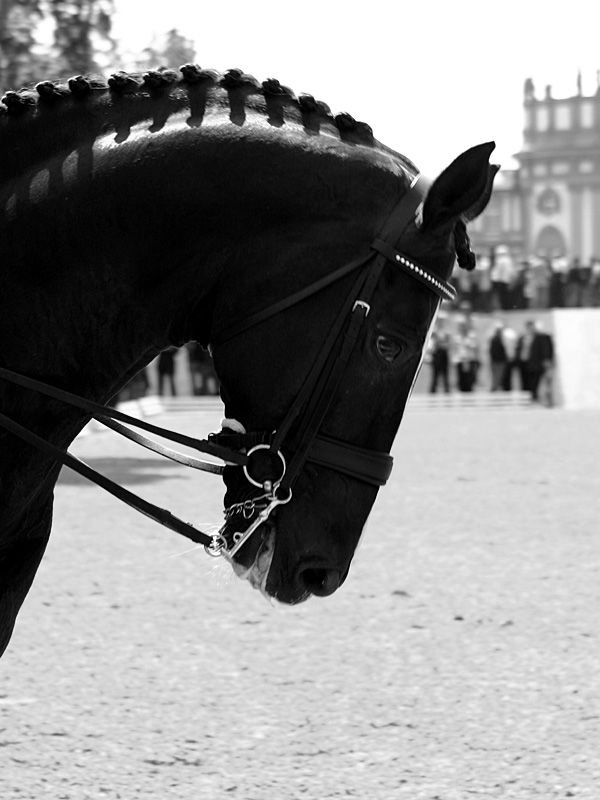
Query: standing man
x=440, y=356
x=498, y=358
x=166, y=370
x=522, y=355
x=541, y=366
x=535, y=355
x=503, y=275
x=465, y=356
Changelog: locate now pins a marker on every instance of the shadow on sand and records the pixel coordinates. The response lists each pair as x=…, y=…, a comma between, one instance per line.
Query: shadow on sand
x=126, y=471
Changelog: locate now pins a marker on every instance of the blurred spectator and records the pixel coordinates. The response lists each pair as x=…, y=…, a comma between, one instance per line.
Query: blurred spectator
x=464, y=285
x=535, y=354
x=202, y=372
x=439, y=359
x=574, y=285
x=509, y=337
x=465, y=355
x=558, y=281
x=166, y=370
x=528, y=289
x=518, y=294
x=501, y=347
x=594, y=286
x=539, y=282
x=586, y=278
x=503, y=275
x=498, y=357
x=541, y=366
x=481, y=287
x=522, y=352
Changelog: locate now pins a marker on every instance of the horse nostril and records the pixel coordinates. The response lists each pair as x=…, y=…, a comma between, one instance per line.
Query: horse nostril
x=319, y=581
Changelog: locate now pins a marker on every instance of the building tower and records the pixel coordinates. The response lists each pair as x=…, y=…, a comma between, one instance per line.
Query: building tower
x=559, y=174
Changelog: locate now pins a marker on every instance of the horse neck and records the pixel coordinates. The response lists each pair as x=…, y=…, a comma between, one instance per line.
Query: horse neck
x=95, y=221
x=121, y=245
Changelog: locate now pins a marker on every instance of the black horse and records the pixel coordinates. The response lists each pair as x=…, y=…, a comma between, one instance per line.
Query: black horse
x=152, y=210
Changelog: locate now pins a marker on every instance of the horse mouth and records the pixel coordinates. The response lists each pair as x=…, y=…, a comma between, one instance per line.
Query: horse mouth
x=257, y=572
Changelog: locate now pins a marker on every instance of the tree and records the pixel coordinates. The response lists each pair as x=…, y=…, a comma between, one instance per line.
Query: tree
x=18, y=21
x=82, y=31
x=81, y=35
x=173, y=51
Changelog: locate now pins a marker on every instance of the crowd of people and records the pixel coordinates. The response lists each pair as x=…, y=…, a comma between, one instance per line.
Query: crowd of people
x=456, y=355
x=501, y=281
x=202, y=379
x=523, y=361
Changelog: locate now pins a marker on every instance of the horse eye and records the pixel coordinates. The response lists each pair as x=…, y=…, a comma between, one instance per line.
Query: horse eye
x=389, y=349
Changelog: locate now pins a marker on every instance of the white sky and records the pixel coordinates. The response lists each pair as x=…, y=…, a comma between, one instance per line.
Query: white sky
x=431, y=77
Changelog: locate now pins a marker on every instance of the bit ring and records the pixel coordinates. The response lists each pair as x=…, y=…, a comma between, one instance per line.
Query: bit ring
x=261, y=483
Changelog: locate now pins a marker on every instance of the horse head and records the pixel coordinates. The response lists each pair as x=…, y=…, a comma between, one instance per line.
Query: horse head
x=268, y=378
x=150, y=210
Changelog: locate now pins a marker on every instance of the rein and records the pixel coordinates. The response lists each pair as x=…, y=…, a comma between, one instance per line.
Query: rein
x=258, y=453
x=107, y=416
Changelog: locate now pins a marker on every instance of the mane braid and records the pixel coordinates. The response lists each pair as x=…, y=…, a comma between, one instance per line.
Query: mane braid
x=158, y=80
x=239, y=86
x=462, y=244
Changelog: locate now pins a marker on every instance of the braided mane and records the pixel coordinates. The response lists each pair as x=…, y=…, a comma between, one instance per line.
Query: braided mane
x=165, y=91
x=196, y=83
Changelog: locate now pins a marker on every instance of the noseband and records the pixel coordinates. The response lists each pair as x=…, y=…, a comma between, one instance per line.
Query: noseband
x=259, y=453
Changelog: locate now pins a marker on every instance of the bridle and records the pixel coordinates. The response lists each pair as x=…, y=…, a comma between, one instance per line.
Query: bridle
x=259, y=453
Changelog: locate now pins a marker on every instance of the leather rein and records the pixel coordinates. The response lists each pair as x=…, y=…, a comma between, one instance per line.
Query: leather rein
x=258, y=453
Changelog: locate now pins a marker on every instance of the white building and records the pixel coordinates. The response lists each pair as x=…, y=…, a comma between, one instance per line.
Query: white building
x=550, y=206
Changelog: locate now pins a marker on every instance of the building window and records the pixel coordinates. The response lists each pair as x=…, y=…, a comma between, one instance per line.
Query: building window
x=560, y=168
x=586, y=167
x=539, y=170
x=587, y=115
x=562, y=117
x=492, y=220
x=550, y=243
x=548, y=202
x=542, y=118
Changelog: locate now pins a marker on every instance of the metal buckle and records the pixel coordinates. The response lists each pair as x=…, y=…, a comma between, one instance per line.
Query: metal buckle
x=362, y=304
x=217, y=546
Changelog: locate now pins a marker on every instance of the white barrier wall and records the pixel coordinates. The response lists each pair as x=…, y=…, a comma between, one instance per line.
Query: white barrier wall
x=577, y=341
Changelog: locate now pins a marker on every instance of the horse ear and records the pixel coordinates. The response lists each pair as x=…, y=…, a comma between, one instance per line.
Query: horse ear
x=463, y=189
x=484, y=198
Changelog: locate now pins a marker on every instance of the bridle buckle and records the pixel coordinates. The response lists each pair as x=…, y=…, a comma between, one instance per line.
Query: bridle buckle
x=363, y=305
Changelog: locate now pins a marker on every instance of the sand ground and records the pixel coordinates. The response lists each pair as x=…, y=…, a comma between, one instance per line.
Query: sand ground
x=460, y=660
